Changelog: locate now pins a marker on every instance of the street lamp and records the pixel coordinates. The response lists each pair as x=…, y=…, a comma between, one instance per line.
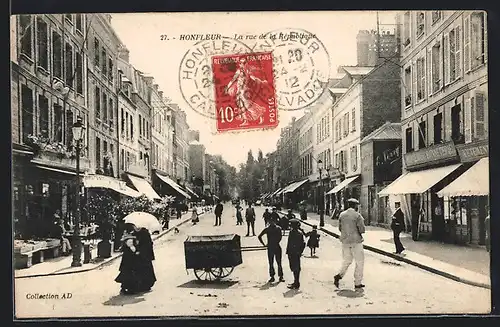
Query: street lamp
x=321, y=195
x=328, y=178
x=77, y=130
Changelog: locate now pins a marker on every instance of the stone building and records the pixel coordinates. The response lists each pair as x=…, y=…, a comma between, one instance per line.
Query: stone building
x=444, y=124
x=181, y=145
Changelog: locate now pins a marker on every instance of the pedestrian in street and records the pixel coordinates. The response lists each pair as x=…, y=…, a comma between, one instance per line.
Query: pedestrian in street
x=266, y=216
x=178, y=210
x=218, y=213
x=274, y=215
x=274, y=252
x=239, y=216
x=294, y=249
x=166, y=219
x=351, y=226
x=398, y=226
x=313, y=241
x=136, y=269
x=250, y=218
x=194, y=215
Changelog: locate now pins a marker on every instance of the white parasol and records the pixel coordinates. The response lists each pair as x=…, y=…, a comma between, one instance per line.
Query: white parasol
x=143, y=220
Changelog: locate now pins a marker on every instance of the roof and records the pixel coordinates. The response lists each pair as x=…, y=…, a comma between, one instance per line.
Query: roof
x=388, y=131
x=356, y=70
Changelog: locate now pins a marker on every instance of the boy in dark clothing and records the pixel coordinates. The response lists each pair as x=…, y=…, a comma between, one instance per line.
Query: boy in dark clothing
x=397, y=226
x=294, y=250
x=273, y=233
x=250, y=218
x=266, y=216
x=218, y=213
x=313, y=241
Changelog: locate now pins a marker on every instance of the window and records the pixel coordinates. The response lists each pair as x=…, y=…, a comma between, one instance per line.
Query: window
x=57, y=54
x=131, y=129
x=127, y=124
x=478, y=39
x=27, y=111
x=98, y=152
x=110, y=69
x=25, y=23
x=409, y=139
x=68, y=55
x=353, y=120
x=354, y=158
x=436, y=16
x=42, y=41
x=422, y=135
x=69, y=18
x=122, y=160
x=104, y=108
x=104, y=62
x=79, y=22
x=346, y=124
x=122, y=125
x=79, y=73
x=479, y=112
x=407, y=86
x=97, y=60
x=337, y=163
x=140, y=125
x=111, y=112
x=420, y=23
x=406, y=29
x=97, y=103
x=43, y=118
x=58, y=136
x=438, y=128
x=453, y=71
x=457, y=125
x=436, y=67
x=421, y=72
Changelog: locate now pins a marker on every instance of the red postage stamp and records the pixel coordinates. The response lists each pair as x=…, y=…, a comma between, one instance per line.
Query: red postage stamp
x=245, y=96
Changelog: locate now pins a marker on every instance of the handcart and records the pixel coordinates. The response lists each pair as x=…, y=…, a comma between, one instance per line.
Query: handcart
x=213, y=257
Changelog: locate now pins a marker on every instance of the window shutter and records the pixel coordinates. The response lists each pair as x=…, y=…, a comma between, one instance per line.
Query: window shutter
x=458, y=57
x=468, y=120
x=414, y=91
x=429, y=71
x=425, y=71
x=446, y=57
x=479, y=116
x=467, y=44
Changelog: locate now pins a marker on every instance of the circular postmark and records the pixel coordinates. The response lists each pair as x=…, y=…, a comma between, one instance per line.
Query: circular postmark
x=196, y=79
x=301, y=66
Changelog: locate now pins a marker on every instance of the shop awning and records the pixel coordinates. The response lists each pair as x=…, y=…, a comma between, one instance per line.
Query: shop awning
x=474, y=182
x=191, y=191
x=275, y=192
x=174, y=185
x=100, y=181
x=418, y=182
x=56, y=170
x=342, y=184
x=291, y=188
x=144, y=187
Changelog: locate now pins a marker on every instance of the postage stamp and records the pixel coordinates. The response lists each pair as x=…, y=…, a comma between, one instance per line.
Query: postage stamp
x=244, y=91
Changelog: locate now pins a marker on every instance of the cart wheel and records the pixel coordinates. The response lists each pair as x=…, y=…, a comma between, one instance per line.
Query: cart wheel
x=222, y=272
x=205, y=274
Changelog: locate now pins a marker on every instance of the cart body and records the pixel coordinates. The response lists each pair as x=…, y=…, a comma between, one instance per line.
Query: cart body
x=213, y=251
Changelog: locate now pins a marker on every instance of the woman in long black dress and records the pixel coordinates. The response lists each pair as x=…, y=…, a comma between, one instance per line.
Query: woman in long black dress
x=136, y=268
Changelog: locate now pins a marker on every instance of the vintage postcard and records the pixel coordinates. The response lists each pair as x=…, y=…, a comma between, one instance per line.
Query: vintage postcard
x=250, y=163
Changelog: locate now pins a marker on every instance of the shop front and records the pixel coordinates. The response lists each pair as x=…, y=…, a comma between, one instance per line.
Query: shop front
x=166, y=186
x=21, y=156
x=292, y=194
x=348, y=187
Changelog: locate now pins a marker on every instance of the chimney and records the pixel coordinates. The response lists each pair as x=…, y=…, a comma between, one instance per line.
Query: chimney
x=155, y=86
x=160, y=93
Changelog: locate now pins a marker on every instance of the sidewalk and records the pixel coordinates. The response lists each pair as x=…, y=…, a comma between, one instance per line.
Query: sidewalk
x=62, y=265
x=469, y=265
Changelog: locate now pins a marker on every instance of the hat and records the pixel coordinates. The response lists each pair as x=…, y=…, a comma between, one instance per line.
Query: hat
x=315, y=227
x=294, y=222
x=274, y=208
x=353, y=200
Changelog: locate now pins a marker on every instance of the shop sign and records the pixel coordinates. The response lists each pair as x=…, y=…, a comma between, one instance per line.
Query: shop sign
x=439, y=153
x=473, y=151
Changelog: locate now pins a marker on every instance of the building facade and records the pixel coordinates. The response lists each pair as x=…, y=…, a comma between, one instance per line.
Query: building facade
x=198, y=166
x=444, y=118
x=181, y=145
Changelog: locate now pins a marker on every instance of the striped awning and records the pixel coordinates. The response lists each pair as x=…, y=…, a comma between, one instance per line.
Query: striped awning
x=173, y=185
x=144, y=187
x=108, y=182
x=292, y=187
x=474, y=182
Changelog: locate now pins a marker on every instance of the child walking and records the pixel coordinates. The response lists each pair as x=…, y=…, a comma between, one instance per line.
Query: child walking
x=313, y=241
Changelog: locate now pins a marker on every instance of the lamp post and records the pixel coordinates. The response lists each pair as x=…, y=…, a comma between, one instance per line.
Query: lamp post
x=321, y=201
x=77, y=129
x=328, y=178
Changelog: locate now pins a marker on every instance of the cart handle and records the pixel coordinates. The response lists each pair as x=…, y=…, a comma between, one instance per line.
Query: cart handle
x=251, y=248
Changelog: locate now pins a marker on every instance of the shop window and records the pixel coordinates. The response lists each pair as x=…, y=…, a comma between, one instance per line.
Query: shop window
x=436, y=67
x=409, y=139
x=98, y=152
x=97, y=102
x=438, y=128
x=79, y=22
x=58, y=123
x=42, y=42
x=407, y=86
x=57, y=55
x=27, y=111
x=420, y=23
x=457, y=125
x=478, y=40
x=421, y=73
x=68, y=65
x=43, y=118
x=26, y=31
x=422, y=135
x=79, y=73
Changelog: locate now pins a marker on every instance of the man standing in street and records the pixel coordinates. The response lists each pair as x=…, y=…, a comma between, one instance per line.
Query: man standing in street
x=266, y=216
x=294, y=249
x=351, y=226
x=398, y=226
x=250, y=218
x=273, y=233
x=218, y=213
x=275, y=215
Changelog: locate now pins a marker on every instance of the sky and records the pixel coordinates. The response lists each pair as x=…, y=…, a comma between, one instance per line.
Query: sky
x=142, y=35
